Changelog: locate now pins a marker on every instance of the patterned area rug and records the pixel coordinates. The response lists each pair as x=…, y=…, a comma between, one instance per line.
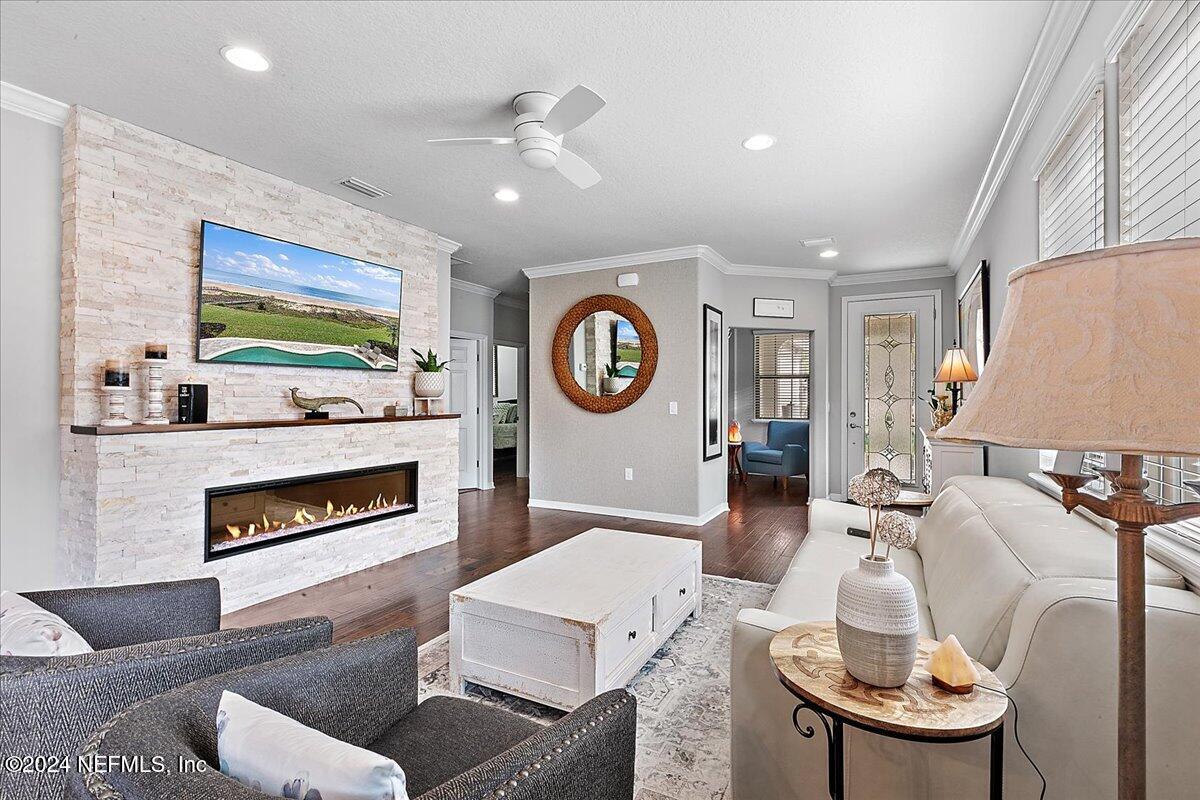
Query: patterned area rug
x=682, y=694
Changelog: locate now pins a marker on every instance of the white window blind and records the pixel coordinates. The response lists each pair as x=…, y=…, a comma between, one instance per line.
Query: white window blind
x=782, y=373
x=1071, y=186
x=1159, y=103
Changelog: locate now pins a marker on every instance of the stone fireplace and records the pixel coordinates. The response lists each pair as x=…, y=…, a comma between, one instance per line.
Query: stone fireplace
x=144, y=505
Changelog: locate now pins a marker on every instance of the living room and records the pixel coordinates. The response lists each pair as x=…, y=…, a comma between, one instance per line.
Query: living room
x=383, y=420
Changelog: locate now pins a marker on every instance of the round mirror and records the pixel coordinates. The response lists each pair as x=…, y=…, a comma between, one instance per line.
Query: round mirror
x=605, y=352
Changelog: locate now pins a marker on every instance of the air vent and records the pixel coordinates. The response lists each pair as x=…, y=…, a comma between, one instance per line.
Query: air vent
x=823, y=241
x=362, y=187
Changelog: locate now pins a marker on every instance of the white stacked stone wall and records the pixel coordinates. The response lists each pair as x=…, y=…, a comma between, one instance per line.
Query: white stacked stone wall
x=132, y=506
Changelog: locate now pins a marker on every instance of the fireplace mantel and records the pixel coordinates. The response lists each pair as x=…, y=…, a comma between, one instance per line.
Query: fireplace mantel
x=249, y=424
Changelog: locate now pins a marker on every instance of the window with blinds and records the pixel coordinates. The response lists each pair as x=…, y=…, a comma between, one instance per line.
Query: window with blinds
x=1071, y=186
x=782, y=374
x=1159, y=104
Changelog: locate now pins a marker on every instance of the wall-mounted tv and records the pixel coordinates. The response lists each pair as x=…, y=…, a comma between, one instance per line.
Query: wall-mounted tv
x=267, y=301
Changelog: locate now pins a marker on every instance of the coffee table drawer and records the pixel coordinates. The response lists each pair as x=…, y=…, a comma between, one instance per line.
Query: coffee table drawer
x=628, y=636
x=678, y=592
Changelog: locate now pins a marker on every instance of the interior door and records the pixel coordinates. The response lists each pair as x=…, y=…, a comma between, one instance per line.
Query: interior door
x=890, y=350
x=464, y=400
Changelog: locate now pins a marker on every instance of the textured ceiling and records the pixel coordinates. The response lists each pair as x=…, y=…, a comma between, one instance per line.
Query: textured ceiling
x=886, y=113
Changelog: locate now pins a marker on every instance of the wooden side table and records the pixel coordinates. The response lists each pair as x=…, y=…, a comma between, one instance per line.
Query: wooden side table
x=808, y=663
x=735, y=463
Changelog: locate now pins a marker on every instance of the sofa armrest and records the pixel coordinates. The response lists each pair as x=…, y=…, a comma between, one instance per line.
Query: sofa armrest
x=117, y=616
x=586, y=755
x=50, y=705
x=827, y=515
x=1060, y=666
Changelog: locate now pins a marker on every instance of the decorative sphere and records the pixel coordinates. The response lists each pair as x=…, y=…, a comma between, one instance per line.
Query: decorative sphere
x=876, y=487
x=897, y=529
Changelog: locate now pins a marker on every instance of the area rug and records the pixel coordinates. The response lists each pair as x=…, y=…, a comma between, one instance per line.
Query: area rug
x=682, y=694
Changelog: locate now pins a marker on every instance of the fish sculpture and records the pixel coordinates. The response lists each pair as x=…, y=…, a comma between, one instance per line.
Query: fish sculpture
x=315, y=403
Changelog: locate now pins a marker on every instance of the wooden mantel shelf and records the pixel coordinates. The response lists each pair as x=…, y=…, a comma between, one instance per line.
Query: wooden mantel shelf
x=250, y=424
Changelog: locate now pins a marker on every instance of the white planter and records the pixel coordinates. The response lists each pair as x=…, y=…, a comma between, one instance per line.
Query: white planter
x=877, y=623
x=429, y=384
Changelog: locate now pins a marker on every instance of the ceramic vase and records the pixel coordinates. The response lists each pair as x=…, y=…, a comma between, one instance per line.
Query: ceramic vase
x=877, y=622
x=429, y=384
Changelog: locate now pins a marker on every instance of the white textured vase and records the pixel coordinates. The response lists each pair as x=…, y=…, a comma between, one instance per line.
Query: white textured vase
x=877, y=623
x=429, y=384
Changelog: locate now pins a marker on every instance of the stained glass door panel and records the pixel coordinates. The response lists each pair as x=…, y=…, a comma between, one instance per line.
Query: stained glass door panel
x=890, y=393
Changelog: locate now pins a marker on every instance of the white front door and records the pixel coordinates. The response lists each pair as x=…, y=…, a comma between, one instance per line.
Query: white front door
x=890, y=351
x=464, y=400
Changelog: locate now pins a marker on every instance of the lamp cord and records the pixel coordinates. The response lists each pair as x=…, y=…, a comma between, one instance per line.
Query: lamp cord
x=1017, y=734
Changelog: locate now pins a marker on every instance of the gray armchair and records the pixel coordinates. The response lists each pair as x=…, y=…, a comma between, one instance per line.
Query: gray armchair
x=365, y=693
x=148, y=638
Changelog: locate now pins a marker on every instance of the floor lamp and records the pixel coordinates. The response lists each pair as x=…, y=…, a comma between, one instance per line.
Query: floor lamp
x=1096, y=352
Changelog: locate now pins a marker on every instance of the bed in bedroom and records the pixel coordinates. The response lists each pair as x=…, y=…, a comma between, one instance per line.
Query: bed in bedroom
x=504, y=426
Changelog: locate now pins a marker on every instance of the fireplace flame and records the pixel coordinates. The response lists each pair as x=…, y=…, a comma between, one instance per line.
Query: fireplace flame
x=234, y=530
x=303, y=516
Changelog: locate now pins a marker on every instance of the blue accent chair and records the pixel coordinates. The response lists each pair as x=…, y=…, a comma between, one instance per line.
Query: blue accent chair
x=784, y=455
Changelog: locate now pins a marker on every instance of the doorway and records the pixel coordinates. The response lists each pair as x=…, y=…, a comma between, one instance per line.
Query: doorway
x=510, y=424
x=890, y=347
x=465, y=400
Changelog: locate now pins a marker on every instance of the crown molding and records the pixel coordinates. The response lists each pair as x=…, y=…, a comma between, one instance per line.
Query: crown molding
x=701, y=252
x=1129, y=19
x=448, y=246
x=32, y=104
x=915, y=274
x=521, y=303
x=1058, y=34
x=473, y=288
x=1093, y=79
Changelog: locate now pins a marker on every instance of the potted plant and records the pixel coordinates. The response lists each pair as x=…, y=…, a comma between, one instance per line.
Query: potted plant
x=876, y=606
x=611, y=383
x=429, y=381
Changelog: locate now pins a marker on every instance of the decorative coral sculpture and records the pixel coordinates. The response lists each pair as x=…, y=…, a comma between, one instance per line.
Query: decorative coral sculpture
x=896, y=529
x=874, y=489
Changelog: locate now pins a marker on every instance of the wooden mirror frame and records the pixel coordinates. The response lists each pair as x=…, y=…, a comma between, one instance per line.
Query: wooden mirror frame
x=559, y=352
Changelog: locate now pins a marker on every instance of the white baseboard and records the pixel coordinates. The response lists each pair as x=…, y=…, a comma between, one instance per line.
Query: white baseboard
x=652, y=516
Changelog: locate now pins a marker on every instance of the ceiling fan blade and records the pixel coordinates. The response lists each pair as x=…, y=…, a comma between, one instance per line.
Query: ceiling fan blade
x=576, y=170
x=572, y=110
x=479, y=140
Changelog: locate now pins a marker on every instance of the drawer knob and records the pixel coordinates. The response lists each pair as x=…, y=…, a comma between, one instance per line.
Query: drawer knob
x=632, y=635
x=683, y=591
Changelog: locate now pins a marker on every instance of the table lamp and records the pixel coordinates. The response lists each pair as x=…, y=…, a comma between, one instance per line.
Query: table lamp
x=1096, y=352
x=955, y=370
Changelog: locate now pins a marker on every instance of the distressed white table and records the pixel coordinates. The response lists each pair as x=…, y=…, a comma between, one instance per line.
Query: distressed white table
x=575, y=620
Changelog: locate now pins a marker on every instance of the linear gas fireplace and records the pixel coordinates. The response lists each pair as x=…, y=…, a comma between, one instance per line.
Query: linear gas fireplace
x=254, y=515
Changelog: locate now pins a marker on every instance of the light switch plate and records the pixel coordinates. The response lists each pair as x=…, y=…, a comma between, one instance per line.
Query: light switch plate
x=673, y=407
x=629, y=473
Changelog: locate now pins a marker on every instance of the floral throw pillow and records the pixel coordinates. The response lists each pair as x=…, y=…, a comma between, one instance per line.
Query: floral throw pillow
x=276, y=755
x=27, y=629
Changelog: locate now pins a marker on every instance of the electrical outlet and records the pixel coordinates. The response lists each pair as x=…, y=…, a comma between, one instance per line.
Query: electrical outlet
x=629, y=473
x=673, y=407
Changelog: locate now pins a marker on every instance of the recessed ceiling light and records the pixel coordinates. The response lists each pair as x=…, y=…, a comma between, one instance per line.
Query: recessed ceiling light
x=759, y=141
x=245, y=58
x=828, y=253
x=506, y=195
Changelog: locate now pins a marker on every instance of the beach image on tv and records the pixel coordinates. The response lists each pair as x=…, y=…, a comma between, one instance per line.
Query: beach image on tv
x=265, y=301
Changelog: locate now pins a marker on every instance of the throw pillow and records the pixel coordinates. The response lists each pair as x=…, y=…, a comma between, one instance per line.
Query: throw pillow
x=27, y=629
x=274, y=754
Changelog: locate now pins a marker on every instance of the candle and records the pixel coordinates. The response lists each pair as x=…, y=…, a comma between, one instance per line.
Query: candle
x=155, y=350
x=116, y=372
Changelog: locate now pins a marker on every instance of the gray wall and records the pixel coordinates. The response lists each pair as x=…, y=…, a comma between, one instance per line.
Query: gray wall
x=510, y=324
x=947, y=316
x=1009, y=236
x=30, y=232
x=580, y=457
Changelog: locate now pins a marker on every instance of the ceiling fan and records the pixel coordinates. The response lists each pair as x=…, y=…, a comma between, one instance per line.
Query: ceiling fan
x=542, y=119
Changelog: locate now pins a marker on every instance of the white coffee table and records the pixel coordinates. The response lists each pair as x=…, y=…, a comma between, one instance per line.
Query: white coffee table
x=575, y=620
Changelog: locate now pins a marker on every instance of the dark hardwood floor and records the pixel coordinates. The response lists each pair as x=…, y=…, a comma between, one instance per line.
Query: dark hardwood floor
x=753, y=542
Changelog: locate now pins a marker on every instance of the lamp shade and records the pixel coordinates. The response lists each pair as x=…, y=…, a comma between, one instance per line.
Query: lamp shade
x=1096, y=351
x=955, y=368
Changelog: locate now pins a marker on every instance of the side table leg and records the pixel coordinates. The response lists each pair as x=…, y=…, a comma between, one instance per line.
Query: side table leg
x=833, y=745
x=997, y=770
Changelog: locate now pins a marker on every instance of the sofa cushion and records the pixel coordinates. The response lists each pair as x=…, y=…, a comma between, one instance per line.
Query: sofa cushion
x=27, y=629
x=446, y=736
x=764, y=455
x=808, y=590
x=985, y=540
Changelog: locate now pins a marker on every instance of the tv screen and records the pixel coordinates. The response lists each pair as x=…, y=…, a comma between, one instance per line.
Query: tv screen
x=266, y=301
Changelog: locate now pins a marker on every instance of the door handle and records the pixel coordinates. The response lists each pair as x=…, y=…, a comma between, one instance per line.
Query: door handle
x=853, y=425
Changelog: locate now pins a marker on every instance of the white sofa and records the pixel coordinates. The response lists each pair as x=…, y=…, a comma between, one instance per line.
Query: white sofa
x=1029, y=591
